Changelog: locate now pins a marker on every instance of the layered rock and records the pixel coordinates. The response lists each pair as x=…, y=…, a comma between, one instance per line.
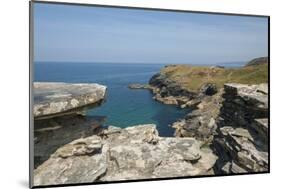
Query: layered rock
x=56, y=99
x=125, y=154
x=242, y=140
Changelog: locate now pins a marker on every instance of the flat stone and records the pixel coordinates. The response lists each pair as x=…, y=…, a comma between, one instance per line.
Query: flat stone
x=53, y=99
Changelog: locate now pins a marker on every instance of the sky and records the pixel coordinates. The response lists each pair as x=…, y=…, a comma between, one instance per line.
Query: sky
x=66, y=33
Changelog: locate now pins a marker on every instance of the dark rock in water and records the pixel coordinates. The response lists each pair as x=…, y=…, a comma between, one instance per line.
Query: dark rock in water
x=209, y=89
x=139, y=86
x=257, y=61
x=56, y=99
x=125, y=154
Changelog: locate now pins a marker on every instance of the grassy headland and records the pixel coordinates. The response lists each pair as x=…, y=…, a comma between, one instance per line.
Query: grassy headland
x=193, y=77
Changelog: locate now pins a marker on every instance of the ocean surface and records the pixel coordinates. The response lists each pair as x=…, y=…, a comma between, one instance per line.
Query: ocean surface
x=123, y=107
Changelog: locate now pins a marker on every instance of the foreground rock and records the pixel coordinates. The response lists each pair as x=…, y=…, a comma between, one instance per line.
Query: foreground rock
x=51, y=134
x=125, y=154
x=56, y=99
x=242, y=140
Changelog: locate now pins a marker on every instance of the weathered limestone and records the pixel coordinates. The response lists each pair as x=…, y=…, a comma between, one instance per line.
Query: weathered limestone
x=55, y=99
x=125, y=154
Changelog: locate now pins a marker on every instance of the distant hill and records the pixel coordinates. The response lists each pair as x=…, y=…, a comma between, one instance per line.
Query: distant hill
x=258, y=61
x=193, y=78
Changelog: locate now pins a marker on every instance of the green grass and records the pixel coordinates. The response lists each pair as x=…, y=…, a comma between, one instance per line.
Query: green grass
x=193, y=77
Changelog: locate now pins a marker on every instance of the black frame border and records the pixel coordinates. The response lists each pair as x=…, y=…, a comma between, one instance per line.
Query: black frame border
x=31, y=54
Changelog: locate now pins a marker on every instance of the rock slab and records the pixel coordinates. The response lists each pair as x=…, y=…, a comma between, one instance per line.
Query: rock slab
x=54, y=98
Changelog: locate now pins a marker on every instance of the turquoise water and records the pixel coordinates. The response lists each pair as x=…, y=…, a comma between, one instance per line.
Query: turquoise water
x=124, y=107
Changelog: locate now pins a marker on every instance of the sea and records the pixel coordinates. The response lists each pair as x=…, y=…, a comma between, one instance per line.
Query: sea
x=123, y=107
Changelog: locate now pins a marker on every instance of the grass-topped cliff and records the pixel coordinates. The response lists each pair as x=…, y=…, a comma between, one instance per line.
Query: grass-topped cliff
x=193, y=78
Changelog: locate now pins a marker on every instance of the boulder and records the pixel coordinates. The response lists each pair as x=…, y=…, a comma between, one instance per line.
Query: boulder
x=56, y=99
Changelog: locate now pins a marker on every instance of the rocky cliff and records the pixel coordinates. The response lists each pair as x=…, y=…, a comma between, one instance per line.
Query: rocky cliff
x=125, y=154
x=232, y=118
x=242, y=140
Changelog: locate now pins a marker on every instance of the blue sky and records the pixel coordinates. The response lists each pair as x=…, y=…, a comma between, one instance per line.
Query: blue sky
x=94, y=34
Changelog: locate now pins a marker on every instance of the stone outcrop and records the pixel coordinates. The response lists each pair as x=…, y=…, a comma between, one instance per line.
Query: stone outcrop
x=125, y=154
x=242, y=140
x=56, y=99
x=168, y=91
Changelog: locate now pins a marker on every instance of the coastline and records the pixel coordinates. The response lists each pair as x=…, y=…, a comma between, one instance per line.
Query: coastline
x=221, y=143
x=220, y=115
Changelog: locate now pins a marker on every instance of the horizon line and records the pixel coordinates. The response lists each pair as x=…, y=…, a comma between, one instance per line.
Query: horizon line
x=104, y=62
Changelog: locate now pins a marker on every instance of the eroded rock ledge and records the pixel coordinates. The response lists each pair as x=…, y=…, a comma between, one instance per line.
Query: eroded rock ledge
x=52, y=99
x=125, y=154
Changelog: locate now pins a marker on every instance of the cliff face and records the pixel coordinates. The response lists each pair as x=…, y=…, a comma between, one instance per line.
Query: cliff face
x=125, y=154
